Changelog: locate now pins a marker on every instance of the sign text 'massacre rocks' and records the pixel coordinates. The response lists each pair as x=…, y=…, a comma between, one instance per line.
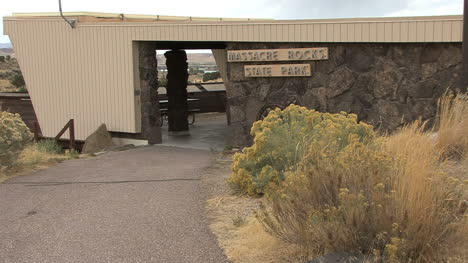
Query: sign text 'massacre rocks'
x=278, y=54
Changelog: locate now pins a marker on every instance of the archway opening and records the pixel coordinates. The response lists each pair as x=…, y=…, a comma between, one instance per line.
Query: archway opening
x=192, y=97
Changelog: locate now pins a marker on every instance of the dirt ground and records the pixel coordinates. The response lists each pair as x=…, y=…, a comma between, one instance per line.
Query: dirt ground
x=233, y=220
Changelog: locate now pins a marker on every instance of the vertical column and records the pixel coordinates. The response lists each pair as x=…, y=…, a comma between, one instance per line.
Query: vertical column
x=220, y=56
x=177, y=77
x=465, y=47
x=148, y=74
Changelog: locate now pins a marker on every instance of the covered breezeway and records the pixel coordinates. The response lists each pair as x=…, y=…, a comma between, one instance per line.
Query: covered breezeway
x=168, y=113
x=103, y=69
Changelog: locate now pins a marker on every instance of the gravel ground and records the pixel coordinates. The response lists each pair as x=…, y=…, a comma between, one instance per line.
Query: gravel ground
x=141, y=205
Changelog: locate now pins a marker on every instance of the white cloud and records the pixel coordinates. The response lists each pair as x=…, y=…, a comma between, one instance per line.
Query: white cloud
x=430, y=8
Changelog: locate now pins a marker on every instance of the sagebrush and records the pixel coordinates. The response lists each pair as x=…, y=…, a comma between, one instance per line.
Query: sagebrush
x=281, y=139
x=14, y=136
x=399, y=198
x=393, y=199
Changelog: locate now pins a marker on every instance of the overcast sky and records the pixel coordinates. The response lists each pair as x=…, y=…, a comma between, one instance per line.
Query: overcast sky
x=277, y=9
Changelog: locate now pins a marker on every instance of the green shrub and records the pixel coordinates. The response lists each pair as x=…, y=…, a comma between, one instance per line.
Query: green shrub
x=283, y=137
x=22, y=89
x=72, y=154
x=211, y=76
x=14, y=136
x=195, y=71
x=2, y=58
x=17, y=80
x=392, y=198
x=400, y=198
x=334, y=201
x=49, y=146
x=162, y=81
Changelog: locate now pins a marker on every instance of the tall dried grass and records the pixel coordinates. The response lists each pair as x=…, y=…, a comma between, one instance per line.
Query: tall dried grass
x=402, y=198
x=242, y=237
x=452, y=125
x=252, y=244
x=428, y=204
x=35, y=155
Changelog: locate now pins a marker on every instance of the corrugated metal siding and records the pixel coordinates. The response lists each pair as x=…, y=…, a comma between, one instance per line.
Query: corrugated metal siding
x=411, y=29
x=82, y=74
x=87, y=73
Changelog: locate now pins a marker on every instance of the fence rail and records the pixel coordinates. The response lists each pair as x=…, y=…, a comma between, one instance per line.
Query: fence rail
x=209, y=99
x=200, y=85
x=71, y=127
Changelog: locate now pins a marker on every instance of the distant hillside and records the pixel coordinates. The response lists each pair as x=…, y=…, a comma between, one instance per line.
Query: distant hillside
x=6, y=51
x=8, y=69
x=193, y=58
x=6, y=45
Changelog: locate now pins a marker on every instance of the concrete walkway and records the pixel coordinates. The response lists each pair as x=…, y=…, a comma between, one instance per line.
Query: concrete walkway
x=207, y=133
x=141, y=205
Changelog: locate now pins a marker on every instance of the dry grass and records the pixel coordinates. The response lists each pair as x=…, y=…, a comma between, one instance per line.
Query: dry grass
x=233, y=221
x=402, y=197
x=431, y=183
x=452, y=126
x=6, y=86
x=32, y=156
x=429, y=194
x=252, y=244
x=241, y=235
x=31, y=159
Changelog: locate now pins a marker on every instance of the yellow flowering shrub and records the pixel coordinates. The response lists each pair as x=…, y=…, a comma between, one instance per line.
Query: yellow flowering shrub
x=395, y=198
x=335, y=200
x=14, y=136
x=284, y=137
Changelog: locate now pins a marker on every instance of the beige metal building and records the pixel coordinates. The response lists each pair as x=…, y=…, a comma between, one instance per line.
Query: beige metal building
x=89, y=73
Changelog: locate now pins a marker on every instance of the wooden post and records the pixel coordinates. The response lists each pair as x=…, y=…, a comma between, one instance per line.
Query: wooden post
x=72, y=134
x=177, y=79
x=71, y=127
x=36, y=131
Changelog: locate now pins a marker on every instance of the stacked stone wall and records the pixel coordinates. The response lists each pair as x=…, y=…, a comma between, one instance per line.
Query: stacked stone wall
x=386, y=84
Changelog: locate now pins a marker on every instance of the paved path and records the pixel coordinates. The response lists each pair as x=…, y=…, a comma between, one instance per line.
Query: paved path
x=141, y=205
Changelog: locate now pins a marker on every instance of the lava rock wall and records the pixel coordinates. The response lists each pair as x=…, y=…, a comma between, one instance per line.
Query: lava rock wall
x=386, y=84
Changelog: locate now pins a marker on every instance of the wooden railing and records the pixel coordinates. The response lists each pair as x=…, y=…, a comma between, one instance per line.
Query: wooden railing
x=200, y=85
x=71, y=127
x=36, y=131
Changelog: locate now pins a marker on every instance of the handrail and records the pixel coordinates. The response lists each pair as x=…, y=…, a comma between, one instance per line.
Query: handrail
x=71, y=127
x=204, y=83
x=36, y=131
x=199, y=84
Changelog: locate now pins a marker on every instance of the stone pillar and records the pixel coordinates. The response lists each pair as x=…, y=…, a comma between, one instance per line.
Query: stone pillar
x=148, y=74
x=177, y=77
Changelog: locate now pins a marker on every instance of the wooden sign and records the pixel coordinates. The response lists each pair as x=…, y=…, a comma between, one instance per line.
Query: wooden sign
x=277, y=70
x=320, y=53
